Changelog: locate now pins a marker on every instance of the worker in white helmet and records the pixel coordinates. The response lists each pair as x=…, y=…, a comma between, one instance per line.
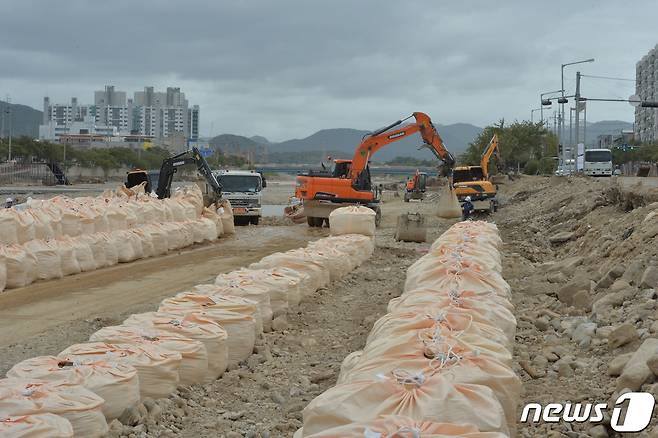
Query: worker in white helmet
x=467, y=208
x=9, y=202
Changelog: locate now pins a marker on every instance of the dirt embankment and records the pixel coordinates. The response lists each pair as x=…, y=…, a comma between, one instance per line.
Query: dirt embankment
x=580, y=255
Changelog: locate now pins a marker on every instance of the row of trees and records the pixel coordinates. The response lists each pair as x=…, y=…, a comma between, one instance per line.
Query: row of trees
x=522, y=145
x=26, y=149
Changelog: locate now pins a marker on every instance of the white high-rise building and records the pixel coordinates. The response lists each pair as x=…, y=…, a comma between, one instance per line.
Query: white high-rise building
x=646, y=87
x=150, y=113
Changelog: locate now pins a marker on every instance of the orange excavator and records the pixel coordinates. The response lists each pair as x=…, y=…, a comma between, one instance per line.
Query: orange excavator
x=349, y=182
x=415, y=187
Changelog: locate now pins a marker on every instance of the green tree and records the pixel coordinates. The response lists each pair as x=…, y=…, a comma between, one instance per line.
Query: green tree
x=519, y=143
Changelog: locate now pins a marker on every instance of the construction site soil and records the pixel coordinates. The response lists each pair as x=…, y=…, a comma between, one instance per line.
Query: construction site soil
x=580, y=255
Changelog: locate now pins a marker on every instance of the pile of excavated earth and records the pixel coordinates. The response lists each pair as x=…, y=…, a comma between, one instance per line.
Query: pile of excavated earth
x=581, y=260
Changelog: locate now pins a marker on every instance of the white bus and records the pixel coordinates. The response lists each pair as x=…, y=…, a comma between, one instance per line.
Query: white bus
x=598, y=162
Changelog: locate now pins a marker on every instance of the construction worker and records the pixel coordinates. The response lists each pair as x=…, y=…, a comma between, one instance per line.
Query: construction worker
x=467, y=208
x=9, y=202
x=410, y=184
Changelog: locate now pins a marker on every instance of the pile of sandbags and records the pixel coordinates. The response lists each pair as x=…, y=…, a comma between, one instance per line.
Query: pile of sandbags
x=192, y=338
x=49, y=239
x=441, y=358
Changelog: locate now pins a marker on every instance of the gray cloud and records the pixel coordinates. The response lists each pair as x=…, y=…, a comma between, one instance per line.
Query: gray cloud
x=289, y=67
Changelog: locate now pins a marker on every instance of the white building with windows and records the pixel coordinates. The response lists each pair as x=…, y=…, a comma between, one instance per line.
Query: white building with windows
x=646, y=87
x=150, y=113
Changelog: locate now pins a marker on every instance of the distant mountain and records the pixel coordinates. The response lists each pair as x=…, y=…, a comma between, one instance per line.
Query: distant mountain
x=593, y=130
x=230, y=144
x=260, y=139
x=25, y=120
x=344, y=141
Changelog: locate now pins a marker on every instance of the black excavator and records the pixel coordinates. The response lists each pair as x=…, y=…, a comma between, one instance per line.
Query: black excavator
x=166, y=175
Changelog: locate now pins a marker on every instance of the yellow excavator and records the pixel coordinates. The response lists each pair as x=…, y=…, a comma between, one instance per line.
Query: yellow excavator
x=474, y=181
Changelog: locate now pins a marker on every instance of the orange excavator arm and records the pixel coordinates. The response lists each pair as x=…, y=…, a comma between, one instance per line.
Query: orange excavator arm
x=378, y=139
x=490, y=150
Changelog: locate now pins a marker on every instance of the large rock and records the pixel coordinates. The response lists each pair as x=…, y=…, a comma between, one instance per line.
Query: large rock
x=634, y=272
x=566, y=266
x=649, y=278
x=610, y=277
x=561, y=237
x=605, y=303
x=582, y=301
x=616, y=365
x=652, y=363
x=622, y=335
x=567, y=292
x=637, y=372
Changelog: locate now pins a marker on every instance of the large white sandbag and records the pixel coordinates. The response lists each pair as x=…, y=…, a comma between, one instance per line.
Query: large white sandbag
x=116, y=217
x=21, y=266
x=206, y=296
x=36, y=426
x=211, y=213
x=8, y=226
x=70, y=264
x=251, y=290
x=192, y=326
x=194, y=357
x=146, y=241
x=157, y=369
x=353, y=219
x=81, y=407
x=115, y=382
x=318, y=274
x=49, y=263
x=240, y=327
x=175, y=235
x=110, y=247
x=97, y=246
x=432, y=398
x=24, y=226
x=225, y=212
x=43, y=228
x=283, y=287
x=83, y=254
x=159, y=239
x=208, y=229
x=124, y=245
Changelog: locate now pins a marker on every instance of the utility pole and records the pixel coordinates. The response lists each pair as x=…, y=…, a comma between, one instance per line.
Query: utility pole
x=9, y=122
x=577, y=136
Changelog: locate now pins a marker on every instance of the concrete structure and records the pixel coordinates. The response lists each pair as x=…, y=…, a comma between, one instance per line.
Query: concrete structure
x=164, y=116
x=646, y=87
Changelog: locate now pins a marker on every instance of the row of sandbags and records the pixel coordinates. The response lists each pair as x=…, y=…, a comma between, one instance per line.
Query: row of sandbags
x=192, y=338
x=440, y=362
x=53, y=255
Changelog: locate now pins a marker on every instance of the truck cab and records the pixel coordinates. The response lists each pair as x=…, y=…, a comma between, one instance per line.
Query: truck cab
x=598, y=162
x=243, y=189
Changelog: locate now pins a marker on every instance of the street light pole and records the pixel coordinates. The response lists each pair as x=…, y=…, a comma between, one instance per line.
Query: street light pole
x=532, y=114
x=561, y=135
x=541, y=102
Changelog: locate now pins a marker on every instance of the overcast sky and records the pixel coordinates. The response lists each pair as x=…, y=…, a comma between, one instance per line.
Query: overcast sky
x=287, y=68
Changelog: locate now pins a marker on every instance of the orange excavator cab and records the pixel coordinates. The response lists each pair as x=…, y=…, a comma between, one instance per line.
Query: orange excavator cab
x=350, y=182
